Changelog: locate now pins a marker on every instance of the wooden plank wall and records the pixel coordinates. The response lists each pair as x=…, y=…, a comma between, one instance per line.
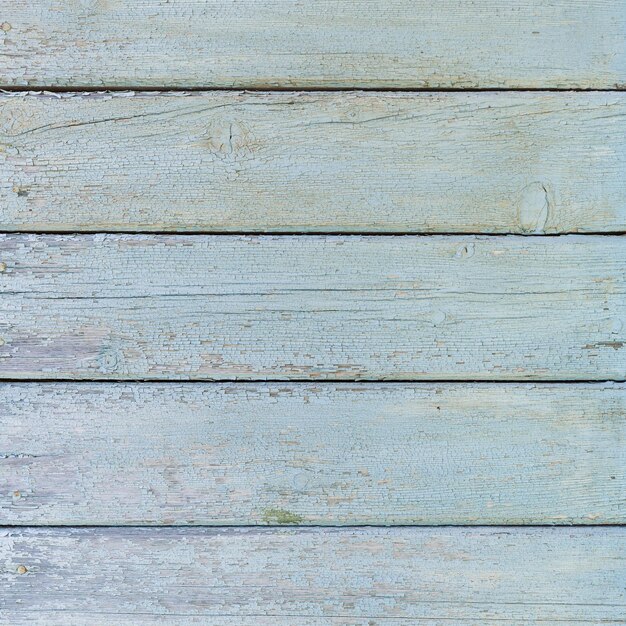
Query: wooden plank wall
x=378, y=298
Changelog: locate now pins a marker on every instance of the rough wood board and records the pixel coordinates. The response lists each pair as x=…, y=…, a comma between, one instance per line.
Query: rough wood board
x=312, y=308
x=378, y=454
x=280, y=43
x=349, y=576
x=294, y=162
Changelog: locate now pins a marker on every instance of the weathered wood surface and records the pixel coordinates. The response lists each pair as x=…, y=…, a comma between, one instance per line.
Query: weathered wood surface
x=312, y=308
x=320, y=576
x=299, y=454
x=293, y=162
x=279, y=43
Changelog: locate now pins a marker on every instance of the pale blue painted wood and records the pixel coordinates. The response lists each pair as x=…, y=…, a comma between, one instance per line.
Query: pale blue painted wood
x=206, y=308
x=527, y=163
x=326, y=43
x=314, y=308
x=314, y=576
x=340, y=454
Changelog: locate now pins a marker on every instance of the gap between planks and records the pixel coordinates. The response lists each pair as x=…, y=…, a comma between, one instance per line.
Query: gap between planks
x=273, y=89
x=304, y=233
x=307, y=525
x=308, y=381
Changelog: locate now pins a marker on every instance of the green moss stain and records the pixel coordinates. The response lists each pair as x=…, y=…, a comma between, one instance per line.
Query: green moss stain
x=280, y=516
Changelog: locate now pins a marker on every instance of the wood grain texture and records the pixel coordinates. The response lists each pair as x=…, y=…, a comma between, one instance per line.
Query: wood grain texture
x=327, y=43
x=294, y=162
x=312, y=308
x=367, y=576
x=375, y=454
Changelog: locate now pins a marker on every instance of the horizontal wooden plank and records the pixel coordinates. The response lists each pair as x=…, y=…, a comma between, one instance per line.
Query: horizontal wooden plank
x=237, y=454
x=320, y=576
x=312, y=308
x=276, y=43
x=294, y=162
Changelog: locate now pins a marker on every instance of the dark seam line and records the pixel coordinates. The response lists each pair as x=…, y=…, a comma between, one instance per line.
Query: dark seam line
x=310, y=381
x=192, y=527
x=294, y=88
x=310, y=233
x=330, y=616
x=309, y=615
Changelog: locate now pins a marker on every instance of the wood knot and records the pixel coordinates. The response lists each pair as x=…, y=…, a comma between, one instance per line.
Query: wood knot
x=21, y=569
x=228, y=139
x=534, y=208
x=18, y=118
x=438, y=317
x=108, y=361
x=465, y=251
